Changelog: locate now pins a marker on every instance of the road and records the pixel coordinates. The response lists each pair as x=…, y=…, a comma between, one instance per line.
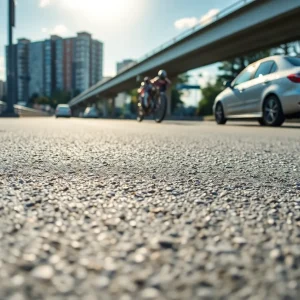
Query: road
x=100, y=209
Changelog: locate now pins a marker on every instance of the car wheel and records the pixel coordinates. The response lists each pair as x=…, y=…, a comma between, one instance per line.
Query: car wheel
x=219, y=114
x=261, y=122
x=272, y=112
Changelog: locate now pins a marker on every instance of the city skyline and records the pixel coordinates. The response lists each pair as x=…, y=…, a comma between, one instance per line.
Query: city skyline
x=57, y=64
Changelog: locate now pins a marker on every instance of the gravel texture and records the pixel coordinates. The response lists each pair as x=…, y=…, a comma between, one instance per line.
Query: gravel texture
x=93, y=209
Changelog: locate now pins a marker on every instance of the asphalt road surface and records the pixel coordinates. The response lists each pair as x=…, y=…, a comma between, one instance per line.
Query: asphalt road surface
x=99, y=209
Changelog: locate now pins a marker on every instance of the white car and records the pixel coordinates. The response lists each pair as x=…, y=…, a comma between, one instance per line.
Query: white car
x=267, y=90
x=63, y=110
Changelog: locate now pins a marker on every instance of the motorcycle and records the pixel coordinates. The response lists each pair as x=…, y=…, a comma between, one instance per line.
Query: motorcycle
x=157, y=103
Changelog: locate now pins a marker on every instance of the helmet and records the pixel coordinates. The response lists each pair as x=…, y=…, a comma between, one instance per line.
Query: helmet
x=162, y=74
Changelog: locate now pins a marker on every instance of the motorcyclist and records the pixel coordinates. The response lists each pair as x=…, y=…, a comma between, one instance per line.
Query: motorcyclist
x=161, y=80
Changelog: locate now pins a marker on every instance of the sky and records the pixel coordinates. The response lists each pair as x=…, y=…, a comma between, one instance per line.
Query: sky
x=128, y=28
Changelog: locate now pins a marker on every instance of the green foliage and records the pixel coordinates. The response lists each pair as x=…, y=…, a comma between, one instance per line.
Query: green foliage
x=175, y=99
x=42, y=100
x=288, y=49
x=58, y=97
x=209, y=94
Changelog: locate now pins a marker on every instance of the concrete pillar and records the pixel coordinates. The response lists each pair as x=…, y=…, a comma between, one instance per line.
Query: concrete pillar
x=169, y=102
x=104, y=108
x=169, y=95
x=113, y=107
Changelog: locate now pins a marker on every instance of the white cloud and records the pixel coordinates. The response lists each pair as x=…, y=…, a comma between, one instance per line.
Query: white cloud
x=209, y=16
x=44, y=3
x=185, y=23
x=59, y=30
x=2, y=68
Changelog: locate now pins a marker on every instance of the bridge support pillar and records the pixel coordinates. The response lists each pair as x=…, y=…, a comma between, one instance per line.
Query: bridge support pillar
x=113, y=107
x=169, y=95
x=104, y=108
x=169, y=102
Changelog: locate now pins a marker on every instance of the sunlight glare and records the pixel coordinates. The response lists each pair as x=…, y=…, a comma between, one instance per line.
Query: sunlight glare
x=108, y=9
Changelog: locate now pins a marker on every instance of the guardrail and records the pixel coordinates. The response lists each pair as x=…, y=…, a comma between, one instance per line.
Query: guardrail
x=25, y=111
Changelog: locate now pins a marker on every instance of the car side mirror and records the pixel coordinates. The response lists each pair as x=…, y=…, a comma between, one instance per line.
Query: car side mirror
x=228, y=84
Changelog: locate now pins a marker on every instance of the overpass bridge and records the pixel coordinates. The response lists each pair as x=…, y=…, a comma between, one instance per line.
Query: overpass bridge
x=246, y=26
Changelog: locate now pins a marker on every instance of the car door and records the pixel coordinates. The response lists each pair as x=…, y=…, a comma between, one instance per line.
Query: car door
x=235, y=103
x=254, y=88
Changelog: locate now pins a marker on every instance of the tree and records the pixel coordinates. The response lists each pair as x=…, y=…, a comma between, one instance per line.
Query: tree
x=209, y=94
x=42, y=100
x=32, y=99
x=288, y=49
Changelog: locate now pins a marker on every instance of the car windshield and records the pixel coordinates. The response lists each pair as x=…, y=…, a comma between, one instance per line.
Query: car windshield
x=295, y=61
x=245, y=75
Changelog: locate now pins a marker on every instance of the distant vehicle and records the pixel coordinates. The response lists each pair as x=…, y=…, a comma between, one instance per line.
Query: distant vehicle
x=63, y=110
x=91, y=112
x=267, y=90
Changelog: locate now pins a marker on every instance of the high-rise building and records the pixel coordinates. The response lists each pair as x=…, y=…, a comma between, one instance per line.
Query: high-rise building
x=53, y=65
x=22, y=62
x=56, y=64
x=48, y=63
x=2, y=89
x=59, y=64
x=36, y=69
x=83, y=61
x=96, y=64
x=69, y=64
x=126, y=63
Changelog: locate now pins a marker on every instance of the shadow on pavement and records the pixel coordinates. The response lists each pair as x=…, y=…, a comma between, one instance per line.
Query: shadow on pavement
x=254, y=125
